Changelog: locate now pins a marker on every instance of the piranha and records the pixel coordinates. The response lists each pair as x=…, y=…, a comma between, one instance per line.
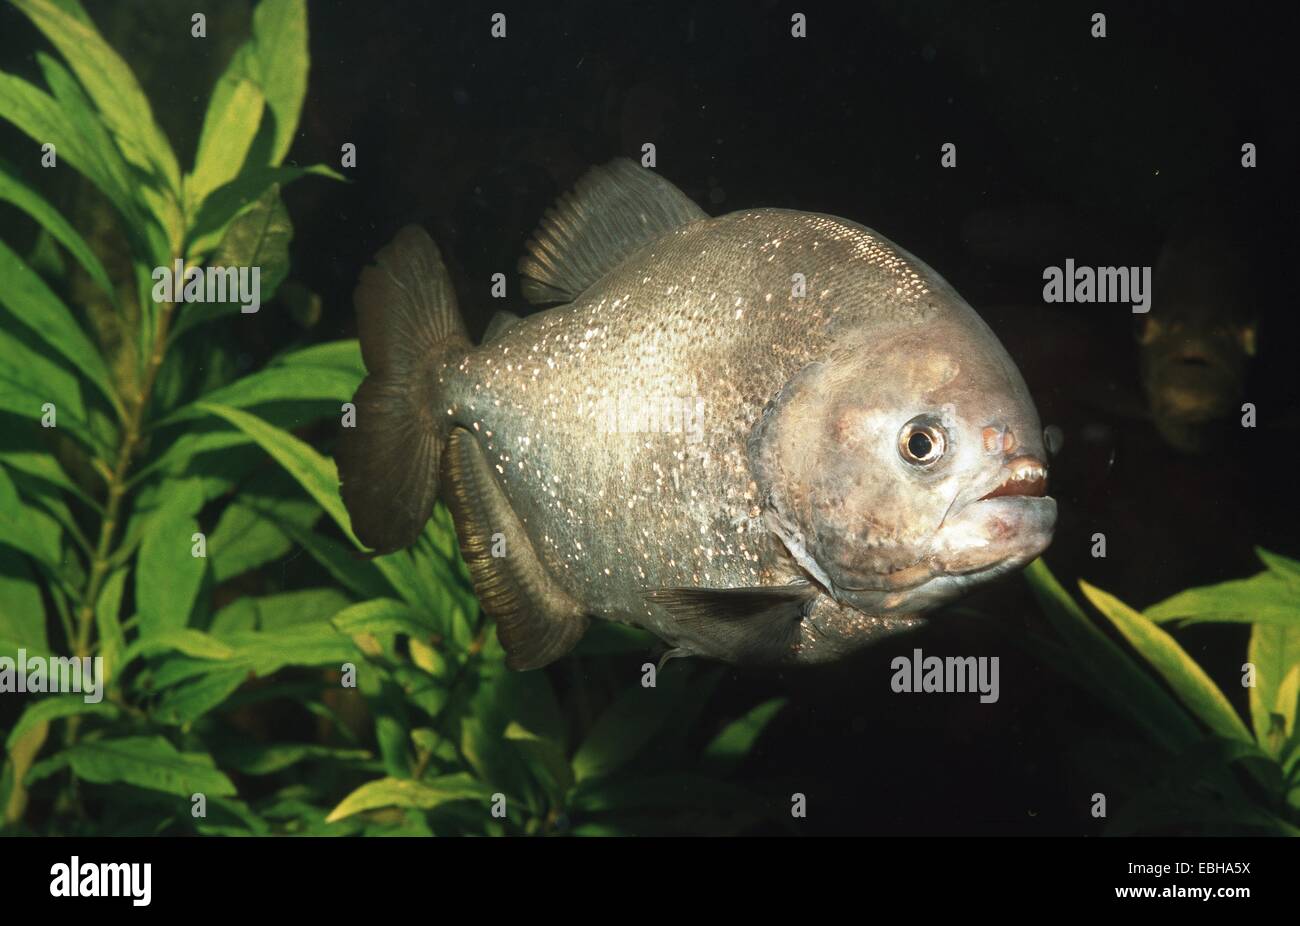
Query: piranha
x=1199, y=337
x=769, y=437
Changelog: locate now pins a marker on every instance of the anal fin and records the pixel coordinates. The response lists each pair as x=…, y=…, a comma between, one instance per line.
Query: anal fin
x=742, y=625
x=537, y=621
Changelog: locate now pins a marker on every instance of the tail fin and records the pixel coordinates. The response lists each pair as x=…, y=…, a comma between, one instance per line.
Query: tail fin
x=389, y=462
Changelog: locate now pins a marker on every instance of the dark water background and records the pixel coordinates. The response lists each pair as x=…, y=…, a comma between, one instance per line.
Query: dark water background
x=1123, y=138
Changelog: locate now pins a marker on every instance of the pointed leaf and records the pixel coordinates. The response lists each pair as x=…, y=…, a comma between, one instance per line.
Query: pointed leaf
x=35, y=306
x=148, y=762
x=1188, y=680
x=110, y=83
x=1113, y=674
x=729, y=748
x=54, y=707
x=397, y=792
x=231, y=121
x=169, y=576
x=278, y=62
x=319, y=476
x=1275, y=652
x=14, y=191
x=628, y=725
x=1267, y=597
x=22, y=615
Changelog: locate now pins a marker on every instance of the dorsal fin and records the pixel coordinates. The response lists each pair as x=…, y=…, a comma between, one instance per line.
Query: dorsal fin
x=613, y=210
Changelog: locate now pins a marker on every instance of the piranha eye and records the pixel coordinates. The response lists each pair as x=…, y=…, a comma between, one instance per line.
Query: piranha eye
x=922, y=441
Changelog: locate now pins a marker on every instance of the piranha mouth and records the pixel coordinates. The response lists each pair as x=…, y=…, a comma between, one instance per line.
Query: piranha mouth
x=1028, y=477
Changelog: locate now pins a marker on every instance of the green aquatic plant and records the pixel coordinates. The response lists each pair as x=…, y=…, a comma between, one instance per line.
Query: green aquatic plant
x=151, y=500
x=1196, y=765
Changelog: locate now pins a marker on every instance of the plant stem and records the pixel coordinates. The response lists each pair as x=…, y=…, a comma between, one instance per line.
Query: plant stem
x=116, y=486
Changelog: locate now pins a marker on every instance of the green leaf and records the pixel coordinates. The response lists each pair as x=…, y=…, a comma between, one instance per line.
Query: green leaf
x=1275, y=652
x=734, y=742
x=267, y=759
x=340, y=355
x=1113, y=675
x=231, y=121
x=34, y=305
x=22, y=615
x=17, y=771
x=278, y=62
x=264, y=653
x=319, y=476
x=258, y=237
x=397, y=792
x=112, y=86
x=186, y=703
x=245, y=540
x=1188, y=680
x=257, y=186
x=112, y=641
x=62, y=122
x=493, y=759
x=275, y=384
x=13, y=190
x=315, y=473
x=91, y=150
x=279, y=611
x=148, y=762
x=384, y=615
x=46, y=498
x=360, y=576
x=41, y=118
x=29, y=380
x=26, y=528
x=1267, y=597
x=1195, y=788
x=1280, y=565
x=628, y=725
x=315, y=644
x=53, y=708
x=169, y=577
x=249, y=533
x=187, y=640
x=44, y=467
x=548, y=758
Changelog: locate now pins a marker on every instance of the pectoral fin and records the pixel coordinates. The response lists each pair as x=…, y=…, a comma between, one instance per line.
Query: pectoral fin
x=743, y=625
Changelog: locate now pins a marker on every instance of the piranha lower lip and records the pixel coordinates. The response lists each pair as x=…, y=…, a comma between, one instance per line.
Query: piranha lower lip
x=1028, y=477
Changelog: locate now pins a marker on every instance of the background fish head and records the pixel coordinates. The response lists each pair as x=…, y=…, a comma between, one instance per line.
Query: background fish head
x=902, y=470
x=1198, y=339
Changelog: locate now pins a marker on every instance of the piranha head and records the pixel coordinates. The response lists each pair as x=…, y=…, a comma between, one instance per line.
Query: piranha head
x=903, y=470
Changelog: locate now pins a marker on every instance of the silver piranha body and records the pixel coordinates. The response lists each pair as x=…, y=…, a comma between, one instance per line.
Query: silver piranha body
x=767, y=437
